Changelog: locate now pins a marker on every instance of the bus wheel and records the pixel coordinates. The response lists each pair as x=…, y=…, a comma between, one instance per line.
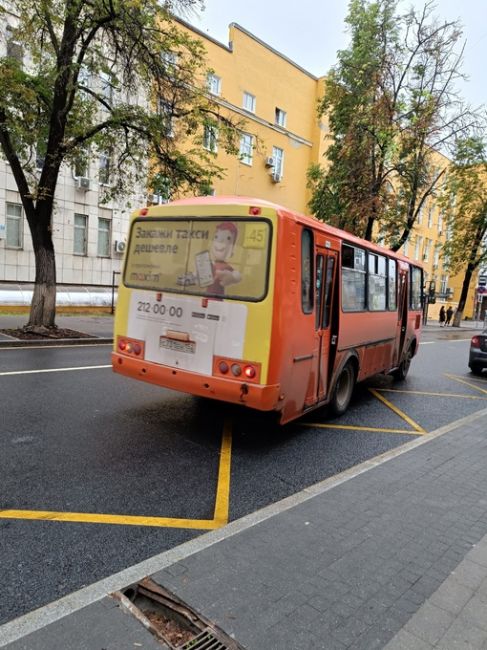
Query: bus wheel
x=342, y=393
x=401, y=372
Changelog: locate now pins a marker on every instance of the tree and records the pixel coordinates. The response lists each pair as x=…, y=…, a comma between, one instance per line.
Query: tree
x=465, y=204
x=113, y=77
x=391, y=104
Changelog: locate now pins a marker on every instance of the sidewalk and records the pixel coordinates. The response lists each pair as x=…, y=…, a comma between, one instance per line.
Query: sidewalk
x=99, y=326
x=390, y=554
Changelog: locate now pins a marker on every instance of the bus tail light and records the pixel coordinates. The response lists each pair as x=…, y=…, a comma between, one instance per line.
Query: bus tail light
x=475, y=342
x=132, y=347
x=223, y=367
x=236, y=369
x=249, y=372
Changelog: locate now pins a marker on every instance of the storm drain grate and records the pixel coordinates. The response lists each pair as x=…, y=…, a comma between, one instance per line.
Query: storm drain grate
x=172, y=621
x=206, y=640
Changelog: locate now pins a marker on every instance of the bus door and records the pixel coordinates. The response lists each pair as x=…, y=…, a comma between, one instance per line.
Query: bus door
x=402, y=314
x=325, y=337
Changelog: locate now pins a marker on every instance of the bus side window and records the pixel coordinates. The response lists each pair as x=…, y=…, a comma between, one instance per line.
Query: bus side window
x=377, y=275
x=416, y=288
x=319, y=289
x=330, y=265
x=307, y=285
x=392, y=285
x=353, y=278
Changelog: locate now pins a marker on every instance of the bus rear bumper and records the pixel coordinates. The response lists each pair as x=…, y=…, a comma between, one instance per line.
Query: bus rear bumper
x=262, y=398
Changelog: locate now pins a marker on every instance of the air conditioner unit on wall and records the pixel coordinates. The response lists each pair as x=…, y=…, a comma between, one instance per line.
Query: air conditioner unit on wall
x=120, y=246
x=83, y=183
x=276, y=177
x=269, y=161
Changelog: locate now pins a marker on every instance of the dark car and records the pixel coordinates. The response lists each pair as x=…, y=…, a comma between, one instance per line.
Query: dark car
x=477, y=359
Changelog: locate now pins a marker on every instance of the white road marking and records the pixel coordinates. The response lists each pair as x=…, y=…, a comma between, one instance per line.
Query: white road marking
x=34, y=372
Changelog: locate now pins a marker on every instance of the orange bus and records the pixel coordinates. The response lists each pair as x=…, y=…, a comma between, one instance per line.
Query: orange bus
x=245, y=301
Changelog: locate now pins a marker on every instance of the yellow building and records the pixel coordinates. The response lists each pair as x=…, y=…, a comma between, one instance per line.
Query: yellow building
x=283, y=136
x=277, y=99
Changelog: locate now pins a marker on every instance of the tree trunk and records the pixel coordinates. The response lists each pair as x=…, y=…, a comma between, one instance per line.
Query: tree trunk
x=43, y=306
x=457, y=318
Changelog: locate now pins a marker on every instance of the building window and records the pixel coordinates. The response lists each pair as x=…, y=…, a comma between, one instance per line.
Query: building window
x=80, y=234
x=214, y=84
x=420, y=215
x=104, y=237
x=417, y=247
x=106, y=87
x=405, y=248
x=249, y=102
x=210, y=138
x=440, y=223
x=14, y=226
x=104, y=168
x=14, y=48
x=167, y=116
x=278, y=156
x=430, y=217
x=84, y=76
x=280, y=117
x=426, y=250
x=169, y=59
x=246, y=148
x=443, y=285
x=436, y=256
x=81, y=168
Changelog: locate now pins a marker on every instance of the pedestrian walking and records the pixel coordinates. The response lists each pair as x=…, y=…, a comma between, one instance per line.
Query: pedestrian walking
x=449, y=314
x=442, y=315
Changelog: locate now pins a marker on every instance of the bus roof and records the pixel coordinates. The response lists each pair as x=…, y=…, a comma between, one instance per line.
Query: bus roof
x=288, y=213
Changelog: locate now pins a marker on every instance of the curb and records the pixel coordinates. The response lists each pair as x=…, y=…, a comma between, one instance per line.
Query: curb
x=17, y=343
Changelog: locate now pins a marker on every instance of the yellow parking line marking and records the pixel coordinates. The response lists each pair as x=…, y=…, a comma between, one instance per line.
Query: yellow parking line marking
x=95, y=518
x=222, y=504
x=350, y=427
x=398, y=411
x=467, y=383
x=35, y=372
x=420, y=392
x=222, y=501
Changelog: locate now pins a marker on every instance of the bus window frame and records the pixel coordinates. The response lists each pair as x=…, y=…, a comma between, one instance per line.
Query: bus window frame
x=371, y=253
x=389, y=260
x=194, y=219
x=308, y=307
x=326, y=309
x=365, y=273
x=394, y=262
x=420, y=304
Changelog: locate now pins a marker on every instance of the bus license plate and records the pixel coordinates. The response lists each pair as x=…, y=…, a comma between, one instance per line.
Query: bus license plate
x=177, y=346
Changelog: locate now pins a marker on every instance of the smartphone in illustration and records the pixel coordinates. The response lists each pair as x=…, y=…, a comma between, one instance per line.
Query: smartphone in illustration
x=204, y=268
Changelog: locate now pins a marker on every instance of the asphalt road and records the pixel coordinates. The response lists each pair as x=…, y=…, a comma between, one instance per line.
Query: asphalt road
x=77, y=441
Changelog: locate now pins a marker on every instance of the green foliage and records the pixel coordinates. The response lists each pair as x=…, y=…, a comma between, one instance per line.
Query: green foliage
x=389, y=102
x=94, y=78
x=464, y=202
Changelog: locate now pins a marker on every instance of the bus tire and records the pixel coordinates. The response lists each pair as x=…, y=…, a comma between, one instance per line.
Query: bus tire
x=475, y=369
x=343, y=389
x=401, y=372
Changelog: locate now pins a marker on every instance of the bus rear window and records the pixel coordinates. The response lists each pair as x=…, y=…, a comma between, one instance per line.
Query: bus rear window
x=219, y=258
